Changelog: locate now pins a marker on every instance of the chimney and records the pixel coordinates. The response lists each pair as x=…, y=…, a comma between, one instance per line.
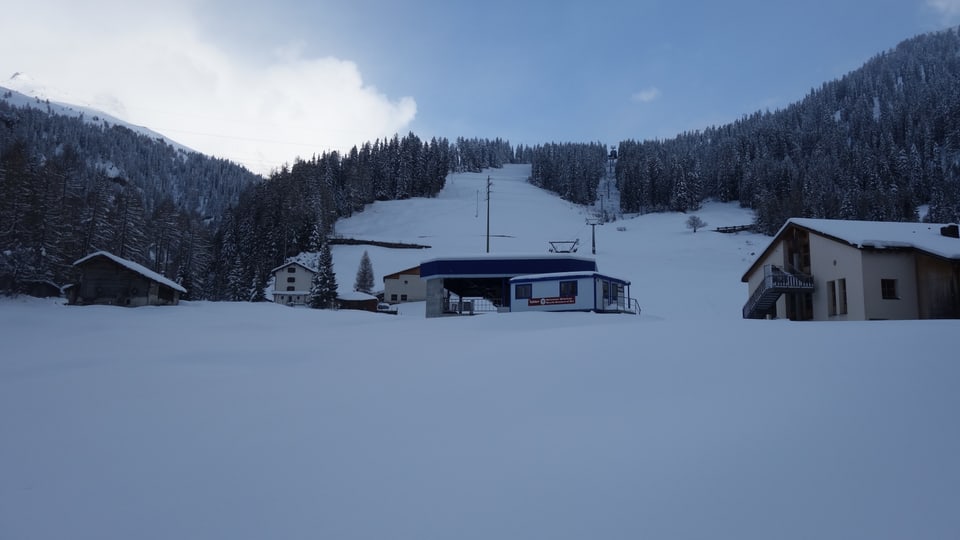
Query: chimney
x=952, y=230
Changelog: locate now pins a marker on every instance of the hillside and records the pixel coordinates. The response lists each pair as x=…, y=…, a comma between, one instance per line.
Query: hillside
x=73, y=181
x=253, y=420
x=875, y=144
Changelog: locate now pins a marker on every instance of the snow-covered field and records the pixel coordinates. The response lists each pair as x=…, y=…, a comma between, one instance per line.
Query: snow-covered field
x=253, y=421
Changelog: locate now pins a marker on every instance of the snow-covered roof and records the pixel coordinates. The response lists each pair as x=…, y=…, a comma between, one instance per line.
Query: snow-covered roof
x=138, y=268
x=291, y=263
x=924, y=237
x=412, y=271
x=355, y=296
x=885, y=235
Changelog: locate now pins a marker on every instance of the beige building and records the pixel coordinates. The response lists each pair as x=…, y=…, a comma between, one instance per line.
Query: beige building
x=404, y=286
x=826, y=270
x=291, y=284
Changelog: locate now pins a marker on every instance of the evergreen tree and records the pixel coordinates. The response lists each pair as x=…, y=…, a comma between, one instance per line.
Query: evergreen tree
x=364, y=282
x=323, y=288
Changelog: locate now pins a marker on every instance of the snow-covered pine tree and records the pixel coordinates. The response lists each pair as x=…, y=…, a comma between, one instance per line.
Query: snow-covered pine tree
x=323, y=288
x=364, y=282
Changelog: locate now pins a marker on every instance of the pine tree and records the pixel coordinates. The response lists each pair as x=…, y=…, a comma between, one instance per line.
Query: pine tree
x=323, y=288
x=364, y=282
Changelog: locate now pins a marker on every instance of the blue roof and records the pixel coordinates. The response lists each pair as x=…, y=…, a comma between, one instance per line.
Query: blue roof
x=492, y=266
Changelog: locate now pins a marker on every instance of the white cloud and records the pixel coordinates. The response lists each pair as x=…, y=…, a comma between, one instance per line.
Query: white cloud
x=949, y=9
x=646, y=96
x=155, y=67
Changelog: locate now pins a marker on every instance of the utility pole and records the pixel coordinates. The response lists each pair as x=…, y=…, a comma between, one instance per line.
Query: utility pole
x=488, y=214
x=593, y=222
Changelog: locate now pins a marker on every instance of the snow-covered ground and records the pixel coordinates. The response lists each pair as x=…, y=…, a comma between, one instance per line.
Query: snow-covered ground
x=236, y=421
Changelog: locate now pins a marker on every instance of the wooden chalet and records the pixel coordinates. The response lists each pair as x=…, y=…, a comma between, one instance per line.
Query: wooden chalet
x=108, y=279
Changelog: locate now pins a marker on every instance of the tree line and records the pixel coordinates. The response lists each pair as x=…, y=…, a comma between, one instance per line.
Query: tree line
x=877, y=144
x=297, y=208
x=70, y=186
x=73, y=185
x=874, y=145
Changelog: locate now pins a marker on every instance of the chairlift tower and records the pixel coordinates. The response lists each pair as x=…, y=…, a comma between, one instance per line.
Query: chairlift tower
x=593, y=222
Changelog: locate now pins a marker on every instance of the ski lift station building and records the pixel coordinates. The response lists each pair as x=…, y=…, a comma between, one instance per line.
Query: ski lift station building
x=556, y=282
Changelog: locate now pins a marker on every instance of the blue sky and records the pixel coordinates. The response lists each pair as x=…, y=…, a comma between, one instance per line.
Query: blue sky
x=262, y=84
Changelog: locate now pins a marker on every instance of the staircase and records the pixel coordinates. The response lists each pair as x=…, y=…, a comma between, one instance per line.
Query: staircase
x=776, y=281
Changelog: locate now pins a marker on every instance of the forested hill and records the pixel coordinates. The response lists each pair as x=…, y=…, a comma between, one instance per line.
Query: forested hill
x=875, y=145
x=71, y=184
x=297, y=208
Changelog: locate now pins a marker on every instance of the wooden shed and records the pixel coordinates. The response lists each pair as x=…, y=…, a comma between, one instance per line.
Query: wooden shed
x=108, y=279
x=357, y=300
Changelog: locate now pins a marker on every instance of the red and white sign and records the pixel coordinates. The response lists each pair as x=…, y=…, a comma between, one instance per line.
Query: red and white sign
x=552, y=301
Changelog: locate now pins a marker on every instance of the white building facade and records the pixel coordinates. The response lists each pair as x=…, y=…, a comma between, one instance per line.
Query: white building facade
x=404, y=286
x=571, y=291
x=824, y=270
x=291, y=284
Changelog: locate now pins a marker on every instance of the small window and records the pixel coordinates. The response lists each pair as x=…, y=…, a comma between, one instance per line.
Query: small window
x=405, y=282
x=842, y=296
x=524, y=290
x=403, y=298
x=568, y=288
x=888, y=288
x=291, y=270
x=291, y=288
x=393, y=298
x=291, y=279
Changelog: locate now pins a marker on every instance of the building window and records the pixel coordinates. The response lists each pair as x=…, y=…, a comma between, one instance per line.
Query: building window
x=403, y=298
x=291, y=279
x=831, y=298
x=568, y=288
x=291, y=288
x=393, y=298
x=291, y=269
x=523, y=291
x=842, y=296
x=888, y=288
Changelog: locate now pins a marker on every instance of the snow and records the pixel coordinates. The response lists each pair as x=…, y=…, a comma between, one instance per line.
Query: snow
x=261, y=421
x=355, y=296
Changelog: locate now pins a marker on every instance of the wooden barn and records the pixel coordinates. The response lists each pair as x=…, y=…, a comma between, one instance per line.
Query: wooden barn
x=108, y=279
x=357, y=300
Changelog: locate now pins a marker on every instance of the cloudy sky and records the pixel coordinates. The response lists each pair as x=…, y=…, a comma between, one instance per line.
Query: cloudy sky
x=262, y=84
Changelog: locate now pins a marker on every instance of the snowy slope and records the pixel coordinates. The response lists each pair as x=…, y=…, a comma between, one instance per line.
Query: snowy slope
x=252, y=421
x=664, y=261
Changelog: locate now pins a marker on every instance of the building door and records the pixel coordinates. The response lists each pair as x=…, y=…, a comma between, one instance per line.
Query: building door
x=800, y=306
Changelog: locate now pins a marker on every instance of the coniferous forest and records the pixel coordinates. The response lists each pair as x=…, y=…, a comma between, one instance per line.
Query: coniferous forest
x=874, y=145
x=70, y=186
x=877, y=144
x=297, y=208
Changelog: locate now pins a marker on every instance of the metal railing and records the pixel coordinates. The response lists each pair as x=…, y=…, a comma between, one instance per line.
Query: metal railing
x=776, y=281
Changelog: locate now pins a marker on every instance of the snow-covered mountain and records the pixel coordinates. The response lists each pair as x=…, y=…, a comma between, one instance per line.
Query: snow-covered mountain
x=21, y=90
x=251, y=421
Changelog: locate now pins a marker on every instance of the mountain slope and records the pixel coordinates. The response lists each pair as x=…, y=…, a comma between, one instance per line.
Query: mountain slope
x=73, y=181
x=873, y=145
